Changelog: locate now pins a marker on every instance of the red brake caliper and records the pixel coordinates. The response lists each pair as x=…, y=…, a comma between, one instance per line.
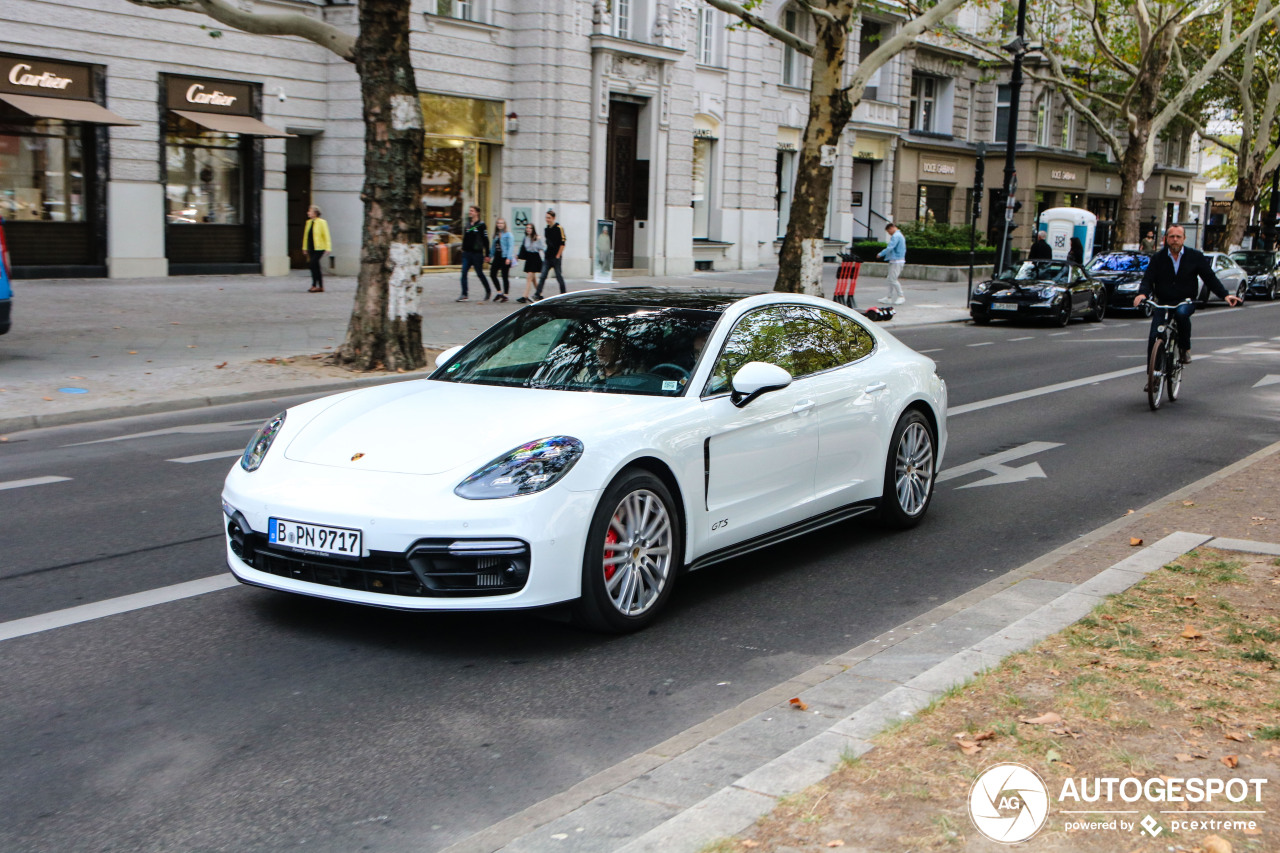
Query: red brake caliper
x=610, y=538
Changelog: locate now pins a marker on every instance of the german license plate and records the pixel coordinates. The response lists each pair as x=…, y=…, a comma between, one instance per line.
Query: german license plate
x=314, y=538
x=1004, y=306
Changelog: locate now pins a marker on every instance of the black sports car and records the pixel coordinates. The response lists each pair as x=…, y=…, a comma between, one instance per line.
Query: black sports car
x=1043, y=290
x=1121, y=272
x=1263, y=269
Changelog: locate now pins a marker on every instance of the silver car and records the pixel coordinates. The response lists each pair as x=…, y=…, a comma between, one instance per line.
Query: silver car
x=1230, y=273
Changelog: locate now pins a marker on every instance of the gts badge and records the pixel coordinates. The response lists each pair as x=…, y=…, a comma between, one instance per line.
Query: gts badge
x=720, y=525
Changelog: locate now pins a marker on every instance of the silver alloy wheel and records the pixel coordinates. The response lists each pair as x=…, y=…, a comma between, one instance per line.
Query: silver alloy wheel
x=913, y=468
x=637, y=562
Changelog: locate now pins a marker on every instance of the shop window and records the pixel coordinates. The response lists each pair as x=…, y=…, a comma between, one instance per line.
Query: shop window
x=868, y=41
x=933, y=203
x=204, y=175
x=1004, y=104
x=462, y=136
x=703, y=165
x=1044, y=201
x=42, y=171
x=924, y=103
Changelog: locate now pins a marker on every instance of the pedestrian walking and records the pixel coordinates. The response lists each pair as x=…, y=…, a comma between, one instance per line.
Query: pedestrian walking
x=1040, y=249
x=1149, y=242
x=896, y=254
x=315, y=242
x=1076, y=252
x=531, y=250
x=475, y=251
x=555, y=253
x=503, y=254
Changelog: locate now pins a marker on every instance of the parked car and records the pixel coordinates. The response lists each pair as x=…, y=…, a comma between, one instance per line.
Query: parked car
x=1263, y=269
x=1230, y=273
x=1039, y=290
x=1121, y=273
x=588, y=449
x=6, y=289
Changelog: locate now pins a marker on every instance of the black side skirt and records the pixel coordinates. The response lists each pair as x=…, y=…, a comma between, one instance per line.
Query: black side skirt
x=782, y=534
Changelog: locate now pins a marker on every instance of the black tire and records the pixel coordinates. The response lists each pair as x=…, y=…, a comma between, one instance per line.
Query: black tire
x=1155, y=379
x=1099, y=309
x=1173, y=372
x=1273, y=291
x=1063, y=318
x=980, y=321
x=903, y=511
x=1242, y=291
x=597, y=608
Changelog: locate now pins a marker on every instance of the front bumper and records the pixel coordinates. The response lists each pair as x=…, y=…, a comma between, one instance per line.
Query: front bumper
x=421, y=550
x=1025, y=310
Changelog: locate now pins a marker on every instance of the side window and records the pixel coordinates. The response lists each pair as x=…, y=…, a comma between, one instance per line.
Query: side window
x=759, y=336
x=856, y=341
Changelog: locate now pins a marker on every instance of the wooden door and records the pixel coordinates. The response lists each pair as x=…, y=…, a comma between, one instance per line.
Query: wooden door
x=620, y=192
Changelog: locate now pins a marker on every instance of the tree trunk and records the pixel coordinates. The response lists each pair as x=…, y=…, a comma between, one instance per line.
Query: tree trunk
x=386, y=326
x=1248, y=188
x=800, y=261
x=1128, y=224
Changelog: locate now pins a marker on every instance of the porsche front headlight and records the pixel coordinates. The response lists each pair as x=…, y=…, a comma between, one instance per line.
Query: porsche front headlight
x=1050, y=292
x=261, y=443
x=529, y=468
x=981, y=288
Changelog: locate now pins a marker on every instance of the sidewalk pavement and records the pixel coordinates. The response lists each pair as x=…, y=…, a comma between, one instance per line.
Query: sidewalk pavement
x=90, y=349
x=715, y=780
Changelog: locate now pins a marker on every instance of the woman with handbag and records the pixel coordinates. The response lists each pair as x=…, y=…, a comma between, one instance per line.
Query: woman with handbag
x=500, y=266
x=531, y=253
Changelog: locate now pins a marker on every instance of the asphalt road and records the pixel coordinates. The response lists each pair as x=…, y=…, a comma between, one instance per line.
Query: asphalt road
x=247, y=720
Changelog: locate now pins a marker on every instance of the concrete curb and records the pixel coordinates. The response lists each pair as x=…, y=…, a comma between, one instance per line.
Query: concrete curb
x=761, y=751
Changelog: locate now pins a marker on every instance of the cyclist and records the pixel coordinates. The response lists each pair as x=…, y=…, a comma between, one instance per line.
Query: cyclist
x=1174, y=276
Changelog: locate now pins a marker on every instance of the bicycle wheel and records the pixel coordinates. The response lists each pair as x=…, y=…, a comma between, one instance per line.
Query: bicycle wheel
x=1155, y=379
x=1173, y=370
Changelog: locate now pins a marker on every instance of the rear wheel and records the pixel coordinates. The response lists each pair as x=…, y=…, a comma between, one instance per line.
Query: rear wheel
x=633, y=552
x=908, y=472
x=1155, y=379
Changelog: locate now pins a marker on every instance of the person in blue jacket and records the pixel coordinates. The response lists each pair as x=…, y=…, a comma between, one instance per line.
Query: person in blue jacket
x=503, y=255
x=6, y=290
x=896, y=254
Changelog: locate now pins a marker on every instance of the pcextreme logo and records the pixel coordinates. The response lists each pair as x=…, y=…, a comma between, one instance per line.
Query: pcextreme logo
x=1009, y=803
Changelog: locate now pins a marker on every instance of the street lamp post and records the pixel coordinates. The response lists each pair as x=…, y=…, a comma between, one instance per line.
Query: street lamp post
x=979, y=171
x=1018, y=47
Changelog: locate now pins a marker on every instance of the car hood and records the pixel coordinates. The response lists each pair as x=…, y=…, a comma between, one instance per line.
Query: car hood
x=430, y=427
x=1015, y=286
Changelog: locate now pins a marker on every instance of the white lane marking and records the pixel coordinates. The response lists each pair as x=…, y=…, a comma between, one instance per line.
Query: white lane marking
x=1002, y=473
x=205, y=457
x=1056, y=334
x=1048, y=389
x=33, y=481
x=114, y=606
x=193, y=429
x=983, y=344
x=1269, y=379
x=927, y=351
x=1027, y=338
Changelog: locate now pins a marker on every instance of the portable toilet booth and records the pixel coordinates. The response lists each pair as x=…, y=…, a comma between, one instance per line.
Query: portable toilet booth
x=1063, y=223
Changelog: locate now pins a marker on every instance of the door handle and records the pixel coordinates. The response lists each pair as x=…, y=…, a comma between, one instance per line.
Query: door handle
x=802, y=406
x=875, y=387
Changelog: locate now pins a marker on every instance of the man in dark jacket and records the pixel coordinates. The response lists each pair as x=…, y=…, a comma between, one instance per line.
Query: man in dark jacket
x=1174, y=275
x=1040, y=250
x=475, y=251
x=554, y=236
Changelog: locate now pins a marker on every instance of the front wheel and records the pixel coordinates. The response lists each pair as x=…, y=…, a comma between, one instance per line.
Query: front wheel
x=1242, y=291
x=1099, y=309
x=1064, y=316
x=1173, y=370
x=633, y=552
x=1155, y=379
x=908, y=472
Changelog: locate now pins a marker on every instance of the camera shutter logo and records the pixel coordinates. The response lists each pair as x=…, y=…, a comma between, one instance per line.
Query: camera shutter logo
x=1008, y=803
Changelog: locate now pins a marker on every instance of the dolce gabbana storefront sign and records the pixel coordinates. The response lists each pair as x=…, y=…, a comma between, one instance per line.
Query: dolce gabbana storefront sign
x=935, y=169
x=1066, y=175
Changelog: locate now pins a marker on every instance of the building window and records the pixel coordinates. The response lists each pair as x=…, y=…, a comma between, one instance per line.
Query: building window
x=462, y=10
x=205, y=174
x=786, y=181
x=924, y=103
x=1044, y=119
x=1068, y=130
x=703, y=160
x=709, y=30
x=973, y=110
x=792, y=60
x=43, y=175
x=870, y=39
x=622, y=18
x=1004, y=103
x=933, y=203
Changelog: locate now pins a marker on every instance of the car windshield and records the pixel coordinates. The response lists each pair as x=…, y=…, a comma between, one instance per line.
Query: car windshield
x=1119, y=263
x=620, y=349
x=1254, y=262
x=1036, y=271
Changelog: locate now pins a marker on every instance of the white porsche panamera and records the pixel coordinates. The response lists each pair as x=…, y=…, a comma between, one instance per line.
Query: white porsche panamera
x=589, y=449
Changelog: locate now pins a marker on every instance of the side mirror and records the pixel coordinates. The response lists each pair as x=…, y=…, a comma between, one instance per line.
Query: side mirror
x=755, y=378
x=446, y=356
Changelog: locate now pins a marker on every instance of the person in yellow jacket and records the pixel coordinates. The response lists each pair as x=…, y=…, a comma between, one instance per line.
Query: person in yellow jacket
x=315, y=241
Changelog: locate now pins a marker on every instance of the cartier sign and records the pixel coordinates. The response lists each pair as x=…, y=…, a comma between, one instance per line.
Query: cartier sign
x=28, y=75
x=209, y=96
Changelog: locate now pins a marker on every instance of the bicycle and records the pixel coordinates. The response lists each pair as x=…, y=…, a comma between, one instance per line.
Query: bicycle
x=1164, y=364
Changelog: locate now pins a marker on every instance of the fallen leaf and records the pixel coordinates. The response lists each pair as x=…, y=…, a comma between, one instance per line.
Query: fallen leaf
x=835, y=843
x=1130, y=512
x=1184, y=757
x=1134, y=540
x=968, y=747
x=220, y=366
x=1049, y=717
x=133, y=352
x=1216, y=844
x=77, y=377
x=1236, y=736
x=174, y=323
x=747, y=842
x=46, y=398
x=1251, y=830
x=1231, y=761
x=1189, y=600
x=798, y=705
x=987, y=735
x=1190, y=633
x=191, y=346
x=1188, y=503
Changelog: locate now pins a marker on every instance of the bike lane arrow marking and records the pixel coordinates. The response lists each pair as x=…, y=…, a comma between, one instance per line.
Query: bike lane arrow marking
x=1269, y=379
x=1001, y=473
